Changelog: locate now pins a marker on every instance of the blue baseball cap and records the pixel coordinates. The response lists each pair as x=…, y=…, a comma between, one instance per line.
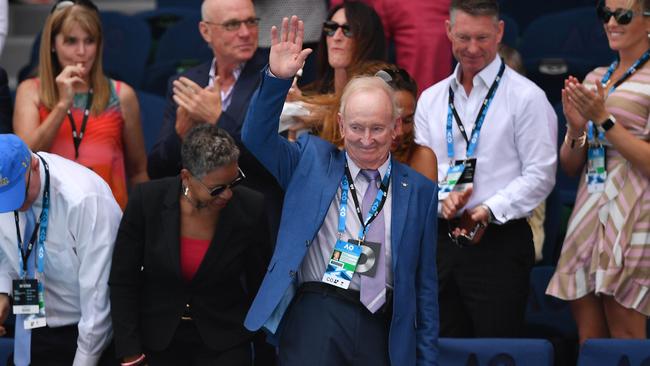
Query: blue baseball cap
x=14, y=162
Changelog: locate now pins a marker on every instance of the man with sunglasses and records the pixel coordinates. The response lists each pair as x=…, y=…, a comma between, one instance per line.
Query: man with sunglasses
x=494, y=134
x=218, y=92
x=375, y=302
x=58, y=222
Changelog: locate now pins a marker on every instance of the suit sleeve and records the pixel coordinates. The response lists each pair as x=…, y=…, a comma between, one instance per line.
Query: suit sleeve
x=427, y=290
x=260, y=129
x=164, y=160
x=126, y=277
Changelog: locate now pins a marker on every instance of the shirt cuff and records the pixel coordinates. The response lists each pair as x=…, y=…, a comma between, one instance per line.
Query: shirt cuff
x=499, y=208
x=269, y=73
x=82, y=359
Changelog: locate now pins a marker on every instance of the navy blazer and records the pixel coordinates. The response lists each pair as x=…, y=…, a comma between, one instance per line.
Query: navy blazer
x=310, y=172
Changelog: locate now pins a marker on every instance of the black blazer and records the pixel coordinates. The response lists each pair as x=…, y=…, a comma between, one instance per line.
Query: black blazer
x=6, y=105
x=148, y=294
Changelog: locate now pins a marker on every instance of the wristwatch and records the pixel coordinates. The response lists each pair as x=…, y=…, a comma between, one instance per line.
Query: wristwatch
x=607, y=124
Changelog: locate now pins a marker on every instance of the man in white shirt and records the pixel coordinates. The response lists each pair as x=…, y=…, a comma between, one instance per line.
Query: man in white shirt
x=58, y=223
x=502, y=129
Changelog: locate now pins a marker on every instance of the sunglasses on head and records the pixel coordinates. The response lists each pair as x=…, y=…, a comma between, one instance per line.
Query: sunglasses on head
x=215, y=191
x=330, y=27
x=62, y=4
x=622, y=16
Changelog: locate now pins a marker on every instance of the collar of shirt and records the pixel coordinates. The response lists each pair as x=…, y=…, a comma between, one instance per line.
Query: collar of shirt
x=226, y=96
x=355, y=170
x=484, y=78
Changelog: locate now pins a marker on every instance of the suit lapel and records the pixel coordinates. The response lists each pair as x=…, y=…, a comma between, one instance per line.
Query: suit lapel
x=170, y=226
x=401, y=191
x=332, y=179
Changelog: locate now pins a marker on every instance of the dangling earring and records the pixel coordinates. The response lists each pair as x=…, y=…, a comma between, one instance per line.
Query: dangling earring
x=186, y=191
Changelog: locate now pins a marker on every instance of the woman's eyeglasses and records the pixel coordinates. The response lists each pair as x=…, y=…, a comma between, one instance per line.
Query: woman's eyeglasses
x=330, y=27
x=215, y=191
x=622, y=16
x=62, y=4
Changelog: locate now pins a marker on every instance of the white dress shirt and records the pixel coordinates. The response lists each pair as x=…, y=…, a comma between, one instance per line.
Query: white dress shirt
x=313, y=266
x=82, y=226
x=226, y=96
x=516, y=152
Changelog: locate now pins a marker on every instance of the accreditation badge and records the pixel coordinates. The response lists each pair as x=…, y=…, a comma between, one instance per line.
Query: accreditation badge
x=342, y=264
x=596, y=169
x=451, y=179
x=25, y=296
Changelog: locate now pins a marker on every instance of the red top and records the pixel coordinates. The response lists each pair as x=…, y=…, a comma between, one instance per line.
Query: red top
x=192, y=253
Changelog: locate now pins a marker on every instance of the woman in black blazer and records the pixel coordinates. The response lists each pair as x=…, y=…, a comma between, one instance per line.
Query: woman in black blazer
x=189, y=257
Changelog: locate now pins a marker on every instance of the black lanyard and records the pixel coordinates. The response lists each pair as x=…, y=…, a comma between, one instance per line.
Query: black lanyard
x=353, y=191
x=481, y=113
x=78, y=136
x=26, y=251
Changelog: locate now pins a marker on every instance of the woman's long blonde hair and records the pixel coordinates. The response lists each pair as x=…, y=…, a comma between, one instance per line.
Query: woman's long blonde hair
x=62, y=21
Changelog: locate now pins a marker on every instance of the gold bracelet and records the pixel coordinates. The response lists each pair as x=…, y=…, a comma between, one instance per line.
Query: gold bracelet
x=581, y=140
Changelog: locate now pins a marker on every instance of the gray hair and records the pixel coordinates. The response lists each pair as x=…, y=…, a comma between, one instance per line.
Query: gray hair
x=474, y=8
x=206, y=148
x=367, y=83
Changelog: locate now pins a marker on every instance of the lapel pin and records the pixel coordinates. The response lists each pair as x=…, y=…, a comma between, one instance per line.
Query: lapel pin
x=404, y=184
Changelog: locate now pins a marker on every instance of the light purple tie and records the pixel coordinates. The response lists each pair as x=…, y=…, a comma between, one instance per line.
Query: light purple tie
x=373, y=289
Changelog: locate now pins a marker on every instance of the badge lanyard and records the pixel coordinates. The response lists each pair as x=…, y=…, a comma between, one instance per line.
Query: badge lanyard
x=41, y=228
x=480, y=118
x=375, y=209
x=637, y=64
x=78, y=136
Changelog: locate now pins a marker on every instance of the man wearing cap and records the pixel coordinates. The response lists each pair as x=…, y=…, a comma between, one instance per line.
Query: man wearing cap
x=58, y=222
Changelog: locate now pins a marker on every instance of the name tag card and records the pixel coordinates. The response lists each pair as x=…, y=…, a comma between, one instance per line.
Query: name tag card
x=596, y=169
x=25, y=296
x=342, y=264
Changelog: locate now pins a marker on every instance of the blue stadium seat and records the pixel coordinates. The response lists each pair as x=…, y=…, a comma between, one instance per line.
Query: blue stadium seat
x=615, y=352
x=525, y=11
x=194, y=4
x=159, y=20
x=126, y=47
x=547, y=316
x=495, y=352
x=152, y=108
x=179, y=48
x=6, y=350
x=571, y=42
x=511, y=31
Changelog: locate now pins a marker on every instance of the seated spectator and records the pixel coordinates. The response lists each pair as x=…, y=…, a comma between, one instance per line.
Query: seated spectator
x=352, y=34
x=72, y=109
x=189, y=257
x=218, y=93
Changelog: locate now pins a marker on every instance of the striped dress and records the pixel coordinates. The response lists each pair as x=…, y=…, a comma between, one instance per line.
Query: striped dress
x=607, y=245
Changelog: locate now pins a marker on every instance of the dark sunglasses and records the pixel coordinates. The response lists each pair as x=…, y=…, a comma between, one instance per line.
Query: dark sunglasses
x=215, y=191
x=330, y=27
x=62, y=4
x=622, y=16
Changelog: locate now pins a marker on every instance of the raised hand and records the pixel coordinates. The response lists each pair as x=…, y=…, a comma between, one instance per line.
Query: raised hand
x=287, y=55
x=202, y=104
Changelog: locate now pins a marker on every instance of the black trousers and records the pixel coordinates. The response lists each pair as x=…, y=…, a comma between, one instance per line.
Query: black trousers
x=188, y=349
x=57, y=347
x=321, y=329
x=483, y=289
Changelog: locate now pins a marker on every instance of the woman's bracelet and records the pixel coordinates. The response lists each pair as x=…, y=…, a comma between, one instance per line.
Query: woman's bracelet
x=582, y=139
x=137, y=361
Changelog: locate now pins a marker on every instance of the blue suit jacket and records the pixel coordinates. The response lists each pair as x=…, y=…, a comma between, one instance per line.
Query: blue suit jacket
x=310, y=172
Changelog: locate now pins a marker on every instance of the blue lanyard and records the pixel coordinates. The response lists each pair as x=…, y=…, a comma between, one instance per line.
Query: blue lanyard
x=375, y=209
x=635, y=66
x=41, y=228
x=480, y=118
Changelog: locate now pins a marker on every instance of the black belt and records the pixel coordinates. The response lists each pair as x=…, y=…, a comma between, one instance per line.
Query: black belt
x=351, y=296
